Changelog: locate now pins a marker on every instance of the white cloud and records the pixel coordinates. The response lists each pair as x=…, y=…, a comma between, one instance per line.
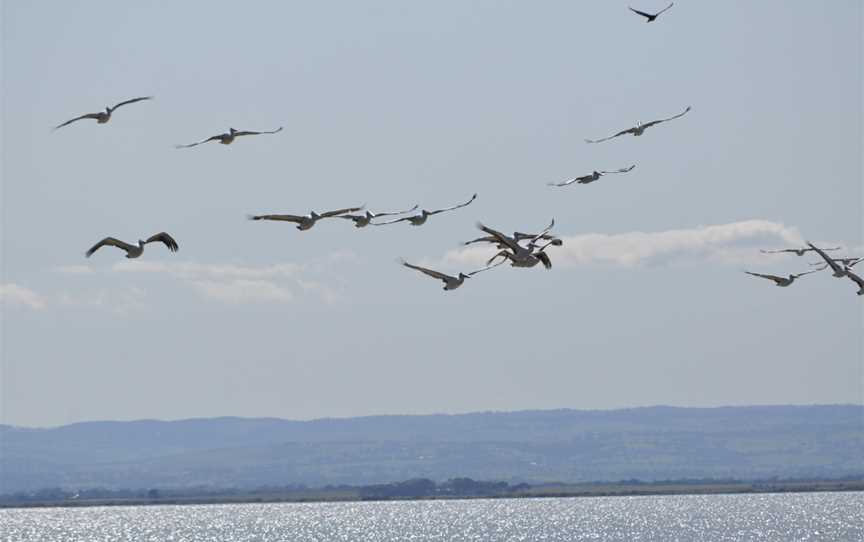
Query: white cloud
x=234, y=284
x=74, y=269
x=14, y=295
x=734, y=242
x=117, y=301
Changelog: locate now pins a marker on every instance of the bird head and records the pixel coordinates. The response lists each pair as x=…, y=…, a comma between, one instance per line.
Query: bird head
x=141, y=243
x=313, y=214
x=463, y=276
x=232, y=131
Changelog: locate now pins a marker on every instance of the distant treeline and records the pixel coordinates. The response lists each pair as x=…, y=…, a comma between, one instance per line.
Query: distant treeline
x=417, y=488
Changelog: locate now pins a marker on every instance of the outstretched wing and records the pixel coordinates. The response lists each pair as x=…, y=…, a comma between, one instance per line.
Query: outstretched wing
x=213, y=138
x=487, y=268
x=248, y=132
x=395, y=220
x=571, y=181
x=500, y=237
x=796, y=275
x=542, y=233
x=484, y=239
x=642, y=13
x=341, y=211
x=664, y=9
x=544, y=259
x=284, y=218
x=391, y=213
x=132, y=101
x=454, y=207
x=775, y=278
x=622, y=170
x=622, y=132
x=777, y=251
x=430, y=272
x=163, y=237
x=111, y=242
x=82, y=117
x=834, y=267
x=673, y=117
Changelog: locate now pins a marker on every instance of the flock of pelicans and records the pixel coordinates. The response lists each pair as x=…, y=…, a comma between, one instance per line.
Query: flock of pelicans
x=521, y=249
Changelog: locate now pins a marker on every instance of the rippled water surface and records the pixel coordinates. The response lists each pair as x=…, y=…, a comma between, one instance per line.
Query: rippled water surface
x=810, y=516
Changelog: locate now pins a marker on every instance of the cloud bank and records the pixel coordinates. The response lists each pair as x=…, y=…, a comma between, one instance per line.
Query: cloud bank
x=735, y=242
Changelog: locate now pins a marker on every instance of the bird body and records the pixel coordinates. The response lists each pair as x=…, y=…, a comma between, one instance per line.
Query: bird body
x=650, y=17
x=134, y=251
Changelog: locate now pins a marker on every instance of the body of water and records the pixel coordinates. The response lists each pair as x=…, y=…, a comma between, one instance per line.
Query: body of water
x=832, y=517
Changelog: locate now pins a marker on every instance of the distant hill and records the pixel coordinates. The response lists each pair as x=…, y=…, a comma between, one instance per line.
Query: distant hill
x=655, y=443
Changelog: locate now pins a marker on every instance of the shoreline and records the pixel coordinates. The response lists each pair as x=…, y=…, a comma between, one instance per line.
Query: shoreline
x=535, y=492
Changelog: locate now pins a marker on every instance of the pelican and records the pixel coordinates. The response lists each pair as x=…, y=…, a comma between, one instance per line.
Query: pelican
x=450, y=282
x=780, y=281
x=639, y=128
x=361, y=221
x=133, y=251
x=797, y=251
x=419, y=220
x=517, y=236
x=228, y=137
x=590, y=178
x=649, y=16
x=307, y=221
x=103, y=116
x=518, y=255
x=837, y=271
x=857, y=280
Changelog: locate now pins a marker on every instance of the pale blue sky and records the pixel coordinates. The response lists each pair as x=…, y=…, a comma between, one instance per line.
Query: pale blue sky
x=395, y=103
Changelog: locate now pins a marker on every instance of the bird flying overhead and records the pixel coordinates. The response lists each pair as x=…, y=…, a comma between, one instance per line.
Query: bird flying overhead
x=797, y=251
x=450, y=282
x=228, y=137
x=640, y=127
x=419, y=220
x=103, y=116
x=591, y=177
x=780, y=281
x=650, y=17
x=361, y=221
x=837, y=271
x=305, y=222
x=133, y=251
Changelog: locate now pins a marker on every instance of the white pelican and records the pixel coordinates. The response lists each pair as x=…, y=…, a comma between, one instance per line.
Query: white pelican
x=450, y=282
x=419, y=220
x=590, y=178
x=307, y=221
x=103, y=116
x=837, y=271
x=228, y=137
x=361, y=221
x=857, y=280
x=133, y=251
x=639, y=128
x=518, y=255
x=780, y=281
x=649, y=16
x=517, y=236
x=797, y=251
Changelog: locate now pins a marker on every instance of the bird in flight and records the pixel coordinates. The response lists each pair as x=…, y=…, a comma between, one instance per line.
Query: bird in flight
x=650, y=16
x=133, y=251
x=103, y=116
x=450, y=282
x=836, y=270
x=419, y=220
x=640, y=127
x=228, y=137
x=780, y=281
x=848, y=263
x=590, y=178
x=361, y=221
x=797, y=251
x=305, y=222
x=518, y=255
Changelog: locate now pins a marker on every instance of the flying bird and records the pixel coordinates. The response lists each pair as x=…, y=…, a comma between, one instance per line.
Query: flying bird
x=649, y=16
x=305, y=222
x=837, y=271
x=450, y=282
x=518, y=255
x=590, y=178
x=103, y=116
x=517, y=236
x=797, y=251
x=228, y=137
x=847, y=262
x=133, y=251
x=419, y=220
x=361, y=221
x=639, y=128
x=780, y=281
